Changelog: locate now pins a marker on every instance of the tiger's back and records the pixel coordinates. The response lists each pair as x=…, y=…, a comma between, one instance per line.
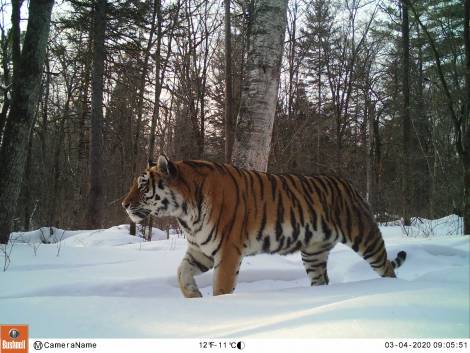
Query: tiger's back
x=228, y=213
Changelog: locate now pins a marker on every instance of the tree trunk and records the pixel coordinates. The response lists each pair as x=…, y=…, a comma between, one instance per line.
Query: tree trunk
x=81, y=166
x=370, y=155
x=158, y=81
x=56, y=170
x=319, y=109
x=377, y=168
x=291, y=57
x=228, y=86
x=259, y=93
x=157, y=14
x=406, y=125
x=15, y=37
x=466, y=121
x=27, y=199
x=466, y=198
x=142, y=83
x=424, y=171
x=5, y=39
x=96, y=191
x=26, y=89
x=339, y=145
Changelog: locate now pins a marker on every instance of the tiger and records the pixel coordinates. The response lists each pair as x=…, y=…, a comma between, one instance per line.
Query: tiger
x=228, y=213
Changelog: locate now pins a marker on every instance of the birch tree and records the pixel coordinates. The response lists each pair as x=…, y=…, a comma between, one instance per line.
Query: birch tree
x=255, y=119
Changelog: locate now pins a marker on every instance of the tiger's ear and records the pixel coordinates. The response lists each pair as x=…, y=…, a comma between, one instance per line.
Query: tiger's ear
x=150, y=164
x=166, y=167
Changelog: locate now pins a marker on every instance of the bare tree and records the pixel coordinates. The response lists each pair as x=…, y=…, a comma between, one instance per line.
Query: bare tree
x=5, y=54
x=259, y=93
x=158, y=78
x=406, y=122
x=461, y=122
x=96, y=193
x=28, y=66
x=229, y=103
x=466, y=119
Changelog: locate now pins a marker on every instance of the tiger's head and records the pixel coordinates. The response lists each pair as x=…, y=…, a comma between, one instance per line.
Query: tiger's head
x=153, y=192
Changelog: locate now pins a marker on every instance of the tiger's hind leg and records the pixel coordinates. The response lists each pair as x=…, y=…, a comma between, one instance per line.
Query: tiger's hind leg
x=315, y=260
x=193, y=263
x=372, y=249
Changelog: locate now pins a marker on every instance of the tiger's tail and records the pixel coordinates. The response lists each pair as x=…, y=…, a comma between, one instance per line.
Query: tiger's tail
x=399, y=260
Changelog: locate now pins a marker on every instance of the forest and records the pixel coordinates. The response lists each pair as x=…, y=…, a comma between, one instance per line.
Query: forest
x=376, y=91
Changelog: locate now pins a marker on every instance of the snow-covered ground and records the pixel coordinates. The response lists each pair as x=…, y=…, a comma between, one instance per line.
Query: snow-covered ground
x=106, y=284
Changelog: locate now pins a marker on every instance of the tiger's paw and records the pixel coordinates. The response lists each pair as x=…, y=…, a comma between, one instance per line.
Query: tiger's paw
x=222, y=291
x=192, y=292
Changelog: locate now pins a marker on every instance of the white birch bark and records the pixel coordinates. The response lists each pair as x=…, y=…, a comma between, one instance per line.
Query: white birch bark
x=260, y=87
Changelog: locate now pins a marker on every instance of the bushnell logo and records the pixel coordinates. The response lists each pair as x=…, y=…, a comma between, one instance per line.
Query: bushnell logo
x=13, y=338
x=14, y=333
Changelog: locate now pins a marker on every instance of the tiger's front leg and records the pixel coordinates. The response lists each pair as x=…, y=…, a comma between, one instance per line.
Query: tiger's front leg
x=193, y=264
x=226, y=271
